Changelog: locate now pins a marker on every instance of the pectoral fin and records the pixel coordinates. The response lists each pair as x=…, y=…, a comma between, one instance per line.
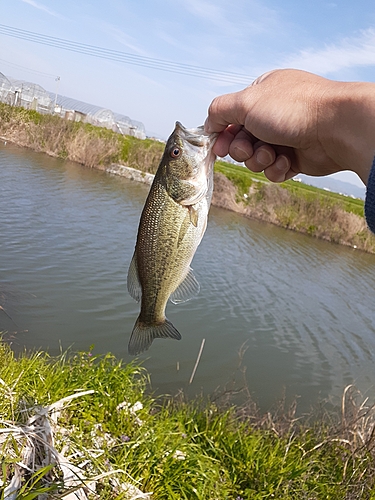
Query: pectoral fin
x=193, y=215
x=134, y=285
x=183, y=229
x=186, y=290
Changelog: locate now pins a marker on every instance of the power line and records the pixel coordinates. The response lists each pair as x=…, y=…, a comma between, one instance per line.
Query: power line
x=127, y=58
x=13, y=65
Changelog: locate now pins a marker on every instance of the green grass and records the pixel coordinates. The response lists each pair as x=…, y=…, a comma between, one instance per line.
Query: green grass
x=243, y=179
x=291, y=205
x=174, y=448
x=353, y=205
x=239, y=176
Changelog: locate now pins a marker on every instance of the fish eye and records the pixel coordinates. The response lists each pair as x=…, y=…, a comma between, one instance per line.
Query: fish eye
x=175, y=153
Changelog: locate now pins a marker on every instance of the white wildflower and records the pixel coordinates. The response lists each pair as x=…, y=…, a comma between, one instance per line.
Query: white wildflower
x=132, y=409
x=179, y=455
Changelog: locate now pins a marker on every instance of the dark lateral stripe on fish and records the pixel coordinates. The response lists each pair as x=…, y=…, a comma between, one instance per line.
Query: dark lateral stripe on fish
x=143, y=335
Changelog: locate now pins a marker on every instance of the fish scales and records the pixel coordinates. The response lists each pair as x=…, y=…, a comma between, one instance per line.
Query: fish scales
x=171, y=227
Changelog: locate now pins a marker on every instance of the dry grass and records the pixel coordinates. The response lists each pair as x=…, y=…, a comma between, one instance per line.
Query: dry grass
x=224, y=194
x=91, y=146
x=317, y=216
x=42, y=467
x=91, y=150
x=145, y=158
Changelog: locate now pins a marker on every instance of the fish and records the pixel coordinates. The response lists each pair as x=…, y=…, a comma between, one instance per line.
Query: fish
x=172, y=225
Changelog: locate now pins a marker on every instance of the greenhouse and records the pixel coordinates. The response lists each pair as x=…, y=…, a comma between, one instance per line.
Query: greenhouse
x=75, y=110
x=32, y=96
x=5, y=89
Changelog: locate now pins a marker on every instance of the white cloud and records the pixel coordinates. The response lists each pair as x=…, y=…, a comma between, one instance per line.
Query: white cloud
x=43, y=8
x=123, y=38
x=351, y=52
x=207, y=11
x=246, y=20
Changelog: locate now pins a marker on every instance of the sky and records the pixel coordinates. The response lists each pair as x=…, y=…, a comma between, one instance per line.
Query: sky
x=244, y=37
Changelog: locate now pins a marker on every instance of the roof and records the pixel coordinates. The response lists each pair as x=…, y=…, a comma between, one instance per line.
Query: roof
x=101, y=114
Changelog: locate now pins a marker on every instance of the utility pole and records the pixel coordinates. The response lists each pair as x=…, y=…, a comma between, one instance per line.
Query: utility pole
x=57, y=79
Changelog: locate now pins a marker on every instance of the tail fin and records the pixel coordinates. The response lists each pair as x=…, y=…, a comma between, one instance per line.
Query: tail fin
x=143, y=335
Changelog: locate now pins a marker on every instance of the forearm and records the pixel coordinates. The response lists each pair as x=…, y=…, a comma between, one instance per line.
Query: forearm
x=347, y=126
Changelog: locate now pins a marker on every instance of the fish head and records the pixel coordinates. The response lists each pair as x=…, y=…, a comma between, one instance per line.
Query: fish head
x=189, y=161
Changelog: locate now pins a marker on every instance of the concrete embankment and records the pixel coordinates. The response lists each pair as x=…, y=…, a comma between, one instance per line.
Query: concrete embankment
x=272, y=203
x=130, y=173
x=300, y=208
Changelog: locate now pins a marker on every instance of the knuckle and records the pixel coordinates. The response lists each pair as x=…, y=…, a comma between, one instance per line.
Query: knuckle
x=213, y=107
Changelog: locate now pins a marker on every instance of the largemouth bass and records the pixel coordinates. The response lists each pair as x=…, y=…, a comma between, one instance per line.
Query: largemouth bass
x=171, y=227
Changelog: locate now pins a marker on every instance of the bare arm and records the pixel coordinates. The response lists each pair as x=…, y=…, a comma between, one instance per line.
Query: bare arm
x=291, y=122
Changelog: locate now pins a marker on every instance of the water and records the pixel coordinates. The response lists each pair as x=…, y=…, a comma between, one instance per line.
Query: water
x=303, y=308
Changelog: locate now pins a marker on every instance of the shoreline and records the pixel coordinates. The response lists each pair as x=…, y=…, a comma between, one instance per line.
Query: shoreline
x=122, y=442
x=224, y=196
x=290, y=205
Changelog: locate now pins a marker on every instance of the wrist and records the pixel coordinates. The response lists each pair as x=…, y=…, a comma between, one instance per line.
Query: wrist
x=348, y=131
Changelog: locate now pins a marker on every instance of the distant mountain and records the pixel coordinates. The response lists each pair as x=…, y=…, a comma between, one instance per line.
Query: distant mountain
x=335, y=185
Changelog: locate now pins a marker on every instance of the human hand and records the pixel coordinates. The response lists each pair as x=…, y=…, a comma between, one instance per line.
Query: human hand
x=290, y=121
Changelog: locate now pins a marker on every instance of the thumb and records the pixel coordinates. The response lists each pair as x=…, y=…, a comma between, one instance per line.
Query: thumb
x=226, y=110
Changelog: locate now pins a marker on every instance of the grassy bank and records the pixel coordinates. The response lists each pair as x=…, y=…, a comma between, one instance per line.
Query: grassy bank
x=122, y=443
x=291, y=205
x=94, y=147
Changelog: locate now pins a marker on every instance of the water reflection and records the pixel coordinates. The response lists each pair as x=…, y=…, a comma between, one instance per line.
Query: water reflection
x=303, y=307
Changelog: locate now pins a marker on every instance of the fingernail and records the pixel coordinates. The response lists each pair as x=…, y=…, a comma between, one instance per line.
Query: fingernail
x=240, y=154
x=263, y=157
x=282, y=164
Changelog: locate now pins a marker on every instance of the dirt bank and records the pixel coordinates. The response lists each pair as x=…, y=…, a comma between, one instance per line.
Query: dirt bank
x=273, y=204
x=298, y=207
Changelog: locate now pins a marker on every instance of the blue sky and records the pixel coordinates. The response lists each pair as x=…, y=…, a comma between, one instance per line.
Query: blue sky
x=249, y=37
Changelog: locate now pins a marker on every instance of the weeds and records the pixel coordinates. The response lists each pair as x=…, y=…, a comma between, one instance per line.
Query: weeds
x=295, y=206
x=302, y=208
x=238, y=176
x=110, y=436
x=81, y=142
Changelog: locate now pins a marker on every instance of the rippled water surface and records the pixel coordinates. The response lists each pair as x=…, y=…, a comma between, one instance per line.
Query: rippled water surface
x=303, y=308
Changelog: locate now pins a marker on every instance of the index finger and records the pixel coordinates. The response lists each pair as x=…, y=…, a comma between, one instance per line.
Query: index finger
x=221, y=146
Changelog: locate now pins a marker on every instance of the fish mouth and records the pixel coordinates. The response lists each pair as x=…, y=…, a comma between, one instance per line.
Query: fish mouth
x=198, y=145
x=196, y=136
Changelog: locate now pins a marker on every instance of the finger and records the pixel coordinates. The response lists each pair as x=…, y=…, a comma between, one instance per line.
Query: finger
x=263, y=157
x=225, y=110
x=265, y=154
x=278, y=171
x=221, y=146
x=241, y=148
